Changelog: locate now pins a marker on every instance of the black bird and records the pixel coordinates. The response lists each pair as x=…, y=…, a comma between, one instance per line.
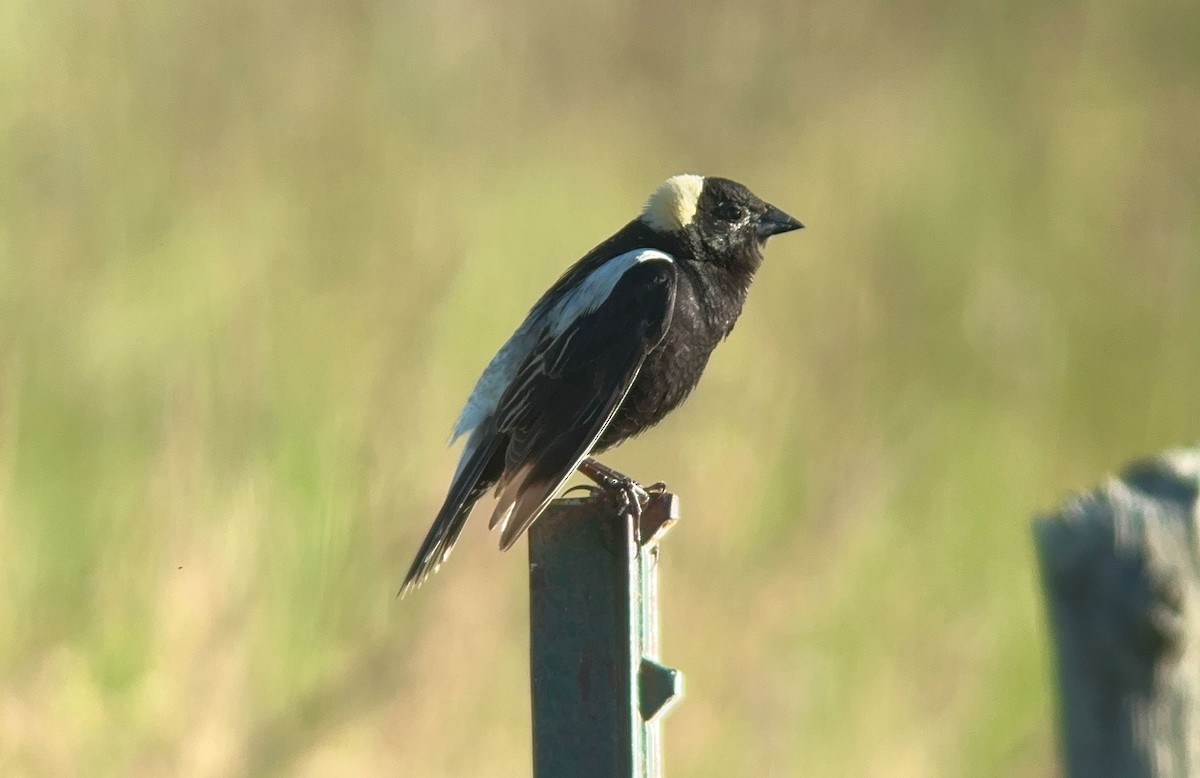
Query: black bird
x=616, y=344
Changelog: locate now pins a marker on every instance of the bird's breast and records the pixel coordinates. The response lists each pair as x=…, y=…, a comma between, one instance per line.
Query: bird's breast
x=672, y=370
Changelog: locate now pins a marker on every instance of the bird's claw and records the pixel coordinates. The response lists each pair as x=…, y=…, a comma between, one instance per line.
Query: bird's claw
x=625, y=494
x=631, y=497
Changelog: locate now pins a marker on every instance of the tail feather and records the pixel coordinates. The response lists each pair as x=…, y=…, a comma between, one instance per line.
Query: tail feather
x=439, y=542
x=470, y=482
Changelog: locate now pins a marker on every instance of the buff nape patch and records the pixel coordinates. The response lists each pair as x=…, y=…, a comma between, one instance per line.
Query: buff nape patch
x=673, y=205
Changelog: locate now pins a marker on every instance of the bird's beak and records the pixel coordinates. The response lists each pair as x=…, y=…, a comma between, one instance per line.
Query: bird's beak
x=775, y=221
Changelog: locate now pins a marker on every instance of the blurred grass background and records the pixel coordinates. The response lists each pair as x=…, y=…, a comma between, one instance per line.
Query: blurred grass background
x=253, y=256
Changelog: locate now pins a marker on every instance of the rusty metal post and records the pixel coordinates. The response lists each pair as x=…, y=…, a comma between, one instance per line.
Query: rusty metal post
x=598, y=690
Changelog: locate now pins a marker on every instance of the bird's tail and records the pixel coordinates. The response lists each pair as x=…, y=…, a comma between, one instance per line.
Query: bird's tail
x=440, y=540
x=470, y=482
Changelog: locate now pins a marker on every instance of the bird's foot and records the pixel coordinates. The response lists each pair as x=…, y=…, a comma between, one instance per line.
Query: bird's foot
x=627, y=495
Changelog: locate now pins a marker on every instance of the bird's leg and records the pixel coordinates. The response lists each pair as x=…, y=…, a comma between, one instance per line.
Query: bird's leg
x=628, y=494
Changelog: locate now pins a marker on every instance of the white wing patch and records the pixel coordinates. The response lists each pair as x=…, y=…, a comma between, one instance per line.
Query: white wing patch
x=496, y=377
x=591, y=293
x=584, y=298
x=673, y=205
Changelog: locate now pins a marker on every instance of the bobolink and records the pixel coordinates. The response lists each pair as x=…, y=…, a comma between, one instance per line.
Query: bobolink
x=610, y=349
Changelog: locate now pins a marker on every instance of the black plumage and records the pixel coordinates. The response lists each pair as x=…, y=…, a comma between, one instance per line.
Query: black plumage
x=618, y=342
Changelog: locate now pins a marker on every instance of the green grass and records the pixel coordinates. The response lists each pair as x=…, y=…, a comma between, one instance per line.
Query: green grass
x=253, y=257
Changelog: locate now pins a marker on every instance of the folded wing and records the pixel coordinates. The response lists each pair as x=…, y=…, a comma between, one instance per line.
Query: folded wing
x=567, y=391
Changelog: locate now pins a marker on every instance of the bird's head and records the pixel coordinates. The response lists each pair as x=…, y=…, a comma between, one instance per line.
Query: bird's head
x=718, y=218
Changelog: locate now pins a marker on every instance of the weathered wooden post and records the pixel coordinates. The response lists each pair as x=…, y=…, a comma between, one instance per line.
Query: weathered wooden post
x=598, y=689
x=1121, y=571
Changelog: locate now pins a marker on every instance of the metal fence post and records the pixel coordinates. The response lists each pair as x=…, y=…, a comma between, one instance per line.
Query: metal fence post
x=1121, y=571
x=598, y=690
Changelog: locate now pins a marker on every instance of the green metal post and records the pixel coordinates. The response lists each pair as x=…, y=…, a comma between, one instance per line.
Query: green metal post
x=598, y=689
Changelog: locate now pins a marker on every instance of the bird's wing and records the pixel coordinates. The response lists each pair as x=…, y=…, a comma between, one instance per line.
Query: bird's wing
x=566, y=391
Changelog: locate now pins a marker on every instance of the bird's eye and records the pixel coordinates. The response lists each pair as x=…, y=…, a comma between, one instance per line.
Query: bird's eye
x=729, y=212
